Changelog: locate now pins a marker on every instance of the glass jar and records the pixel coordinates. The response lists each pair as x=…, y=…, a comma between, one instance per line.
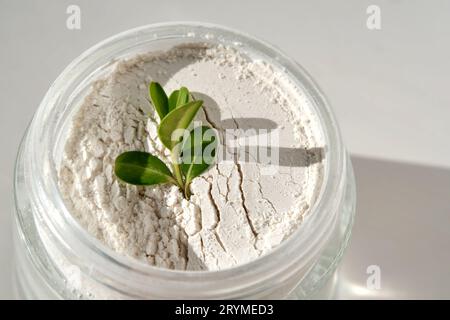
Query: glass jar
x=56, y=258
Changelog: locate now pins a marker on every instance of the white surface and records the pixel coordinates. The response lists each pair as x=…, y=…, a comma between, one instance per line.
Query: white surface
x=389, y=89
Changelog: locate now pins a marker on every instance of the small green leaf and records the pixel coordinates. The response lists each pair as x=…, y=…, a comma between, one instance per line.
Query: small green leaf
x=173, y=100
x=141, y=168
x=183, y=96
x=198, y=152
x=179, y=98
x=171, y=128
x=159, y=99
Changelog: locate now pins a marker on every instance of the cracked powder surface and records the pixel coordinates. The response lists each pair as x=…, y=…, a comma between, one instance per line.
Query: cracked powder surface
x=239, y=209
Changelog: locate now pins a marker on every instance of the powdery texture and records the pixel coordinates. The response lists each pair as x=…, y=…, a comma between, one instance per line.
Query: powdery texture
x=237, y=211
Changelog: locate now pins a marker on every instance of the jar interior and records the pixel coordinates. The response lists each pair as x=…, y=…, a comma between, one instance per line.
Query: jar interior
x=80, y=87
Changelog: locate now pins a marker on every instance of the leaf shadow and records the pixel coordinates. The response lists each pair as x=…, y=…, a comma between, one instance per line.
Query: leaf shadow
x=287, y=157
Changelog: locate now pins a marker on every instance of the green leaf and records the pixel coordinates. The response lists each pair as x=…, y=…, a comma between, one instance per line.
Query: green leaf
x=179, y=98
x=173, y=100
x=141, y=168
x=198, y=152
x=183, y=96
x=159, y=99
x=172, y=127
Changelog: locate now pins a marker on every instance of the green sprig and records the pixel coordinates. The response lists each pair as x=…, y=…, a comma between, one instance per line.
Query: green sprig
x=191, y=154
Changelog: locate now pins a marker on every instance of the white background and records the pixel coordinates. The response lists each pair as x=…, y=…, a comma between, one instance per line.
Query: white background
x=390, y=90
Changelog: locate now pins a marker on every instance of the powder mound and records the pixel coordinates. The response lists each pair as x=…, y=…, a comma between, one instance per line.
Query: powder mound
x=239, y=210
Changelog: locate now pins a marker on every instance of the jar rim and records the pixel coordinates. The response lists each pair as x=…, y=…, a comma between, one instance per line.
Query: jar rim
x=308, y=235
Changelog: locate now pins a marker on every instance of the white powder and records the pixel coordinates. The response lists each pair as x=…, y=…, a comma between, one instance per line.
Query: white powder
x=237, y=212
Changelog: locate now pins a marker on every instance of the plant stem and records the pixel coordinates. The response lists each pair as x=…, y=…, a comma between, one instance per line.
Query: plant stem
x=187, y=191
x=177, y=170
